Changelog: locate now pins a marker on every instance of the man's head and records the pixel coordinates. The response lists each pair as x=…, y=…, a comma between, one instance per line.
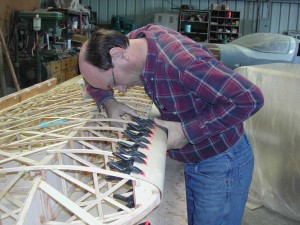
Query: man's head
x=96, y=57
x=99, y=45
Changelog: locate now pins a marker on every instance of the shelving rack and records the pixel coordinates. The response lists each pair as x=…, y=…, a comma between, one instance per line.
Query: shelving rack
x=198, y=20
x=213, y=26
x=69, y=16
x=224, y=26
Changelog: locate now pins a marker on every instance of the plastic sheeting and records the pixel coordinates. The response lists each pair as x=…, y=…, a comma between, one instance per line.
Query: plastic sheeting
x=258, y=49
x=275, y=136
x=266, y=42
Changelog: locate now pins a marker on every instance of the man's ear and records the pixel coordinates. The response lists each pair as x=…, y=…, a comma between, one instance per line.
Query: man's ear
x=117, y=53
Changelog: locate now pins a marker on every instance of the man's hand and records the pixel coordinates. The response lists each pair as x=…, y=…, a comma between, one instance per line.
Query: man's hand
x=176, y=136
x=115, y=110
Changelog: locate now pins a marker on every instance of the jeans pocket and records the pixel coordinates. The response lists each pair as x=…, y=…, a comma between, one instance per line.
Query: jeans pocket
x=215, y=168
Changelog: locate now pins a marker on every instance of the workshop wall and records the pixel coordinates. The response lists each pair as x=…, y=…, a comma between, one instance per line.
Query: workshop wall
x=8, y=6
x=273, y=16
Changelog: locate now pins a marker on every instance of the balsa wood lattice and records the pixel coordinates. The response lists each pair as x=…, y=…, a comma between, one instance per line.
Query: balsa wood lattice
x=55, y=152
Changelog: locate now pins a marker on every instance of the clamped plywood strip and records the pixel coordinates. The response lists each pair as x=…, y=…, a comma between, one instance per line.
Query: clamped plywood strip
x=145, y=158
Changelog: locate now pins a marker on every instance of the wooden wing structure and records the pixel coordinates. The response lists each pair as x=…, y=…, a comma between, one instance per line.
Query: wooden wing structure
x=62, y=163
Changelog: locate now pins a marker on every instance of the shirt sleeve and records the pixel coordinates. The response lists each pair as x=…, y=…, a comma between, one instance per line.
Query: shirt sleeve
x=100, y=96
x=230, y=98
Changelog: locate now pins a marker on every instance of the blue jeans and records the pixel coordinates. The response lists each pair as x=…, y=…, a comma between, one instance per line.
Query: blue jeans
x=217, y=188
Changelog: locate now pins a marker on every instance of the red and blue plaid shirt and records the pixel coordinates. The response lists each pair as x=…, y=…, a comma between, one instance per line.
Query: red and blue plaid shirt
x=188, y=85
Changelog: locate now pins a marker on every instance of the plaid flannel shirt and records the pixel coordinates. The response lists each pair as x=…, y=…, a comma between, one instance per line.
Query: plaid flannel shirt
x=189, y=85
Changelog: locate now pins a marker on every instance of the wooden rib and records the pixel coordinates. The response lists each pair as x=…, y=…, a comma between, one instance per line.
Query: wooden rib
x=96, y=151
x=66, y=167
x=69, y=138
x=98, y=195
x=10, y=184
x=105, y=196
x=40, y=134
x=27, y=204
x=13, y=200
x=5, y=215
x=61, y=223
x=75, y=181
x=63, y=200
x=9, y=212
x=31, y=152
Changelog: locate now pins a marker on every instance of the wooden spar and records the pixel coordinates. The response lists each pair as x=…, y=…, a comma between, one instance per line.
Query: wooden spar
x=55, y=150
x=20, y=96
x=2, y=77
x=10, y=65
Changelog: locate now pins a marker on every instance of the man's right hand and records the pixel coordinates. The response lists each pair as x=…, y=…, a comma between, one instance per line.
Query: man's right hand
x=115, y=110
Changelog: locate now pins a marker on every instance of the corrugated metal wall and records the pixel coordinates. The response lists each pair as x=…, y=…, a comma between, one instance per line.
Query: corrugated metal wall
x=274, y=16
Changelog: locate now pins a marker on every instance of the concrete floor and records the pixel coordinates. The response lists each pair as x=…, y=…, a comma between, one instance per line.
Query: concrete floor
x=172, y=210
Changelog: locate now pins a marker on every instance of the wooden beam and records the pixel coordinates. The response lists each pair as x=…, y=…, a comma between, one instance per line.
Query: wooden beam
x=10, y=65
x=20, y=96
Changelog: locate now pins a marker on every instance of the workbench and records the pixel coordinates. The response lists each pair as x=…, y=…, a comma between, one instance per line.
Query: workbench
x=64, y=69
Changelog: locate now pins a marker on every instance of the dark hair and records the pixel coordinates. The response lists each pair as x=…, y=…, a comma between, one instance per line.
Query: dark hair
x=99, y=45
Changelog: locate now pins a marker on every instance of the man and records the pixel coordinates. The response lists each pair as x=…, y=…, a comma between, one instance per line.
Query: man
x=202, y=103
